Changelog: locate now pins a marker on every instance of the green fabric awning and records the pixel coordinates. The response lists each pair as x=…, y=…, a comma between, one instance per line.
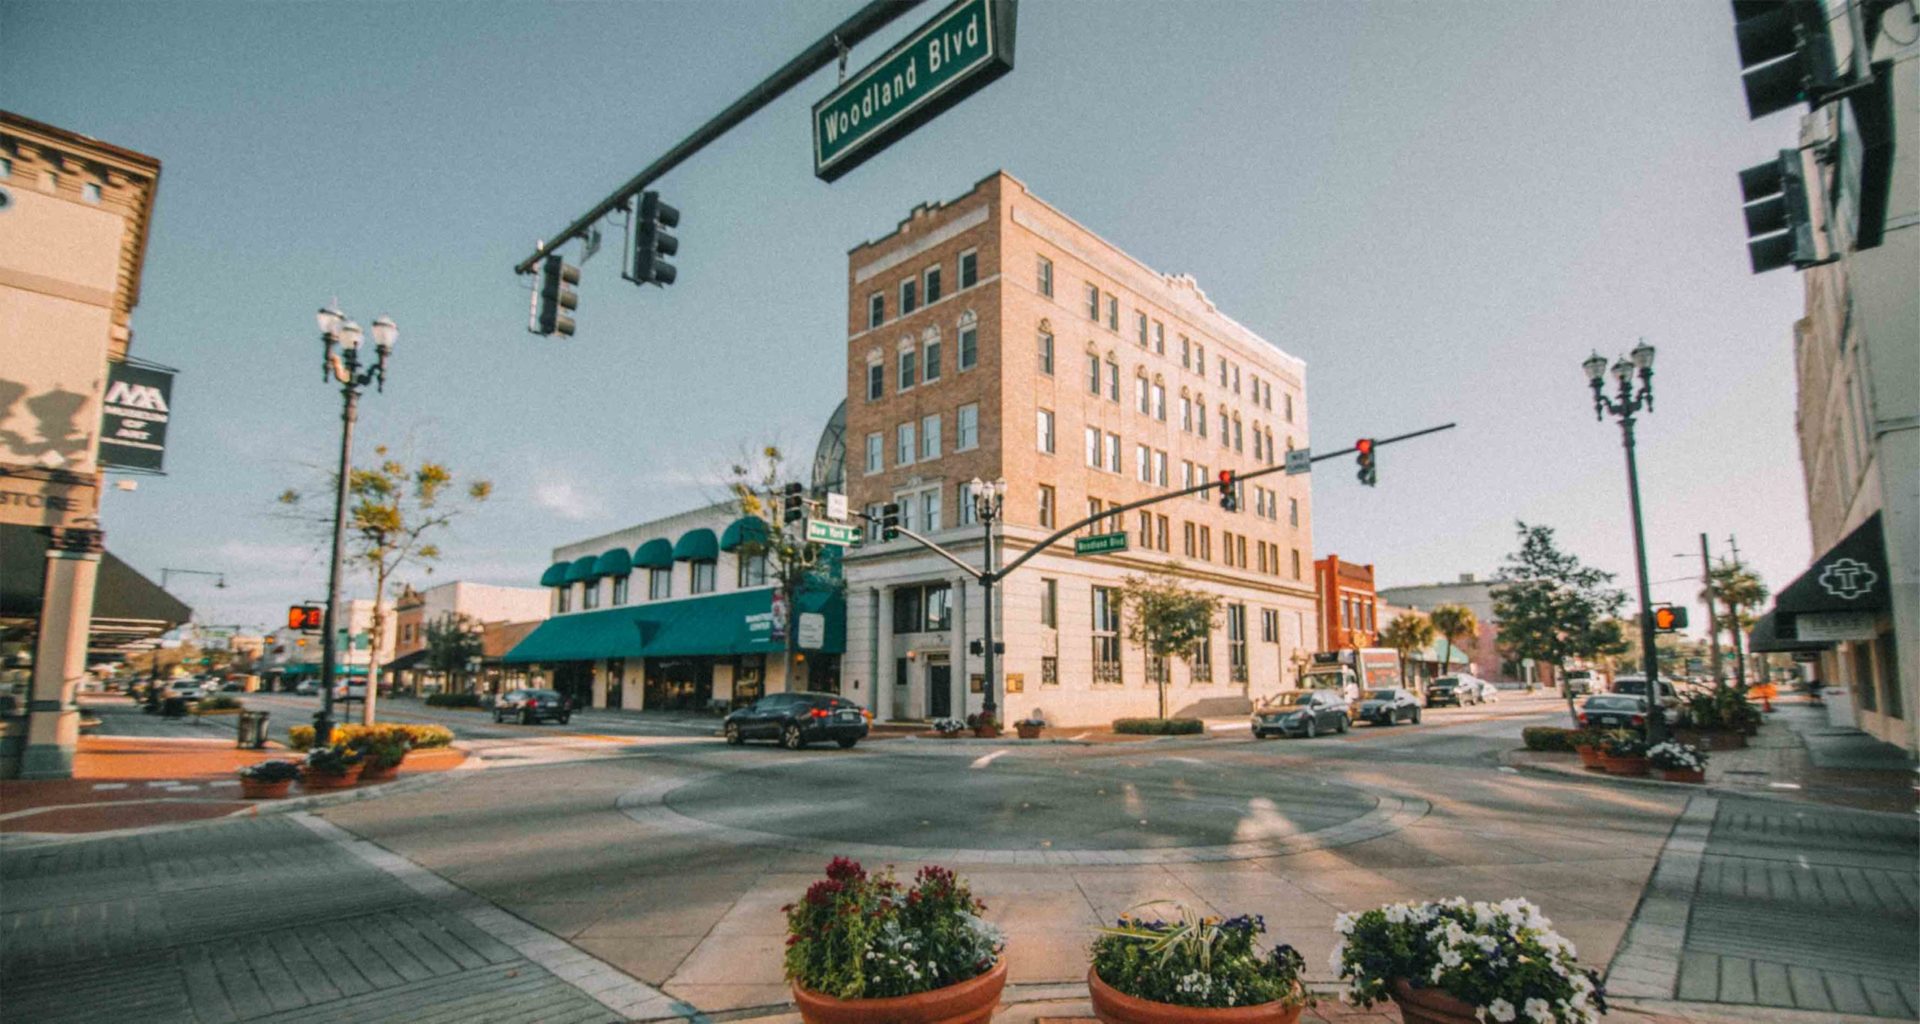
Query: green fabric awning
x=740, y=622
x=697, y=546
x=742, y=531
x=581, y=569
x=555, y=576
x=588, y=636
x=654, y=554
x=616, y=562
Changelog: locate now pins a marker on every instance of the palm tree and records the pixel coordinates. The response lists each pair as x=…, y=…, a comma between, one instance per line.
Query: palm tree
x=1738, y=589
x=1408, y=632
x=1453, y=621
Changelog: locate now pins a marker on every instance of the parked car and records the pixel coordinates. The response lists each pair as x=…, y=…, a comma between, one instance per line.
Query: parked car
x=797, y=719
x=1386, y=707
x=1613, y=711
x=1636, y=686
x=307, y=688
x=531, y=706
x=1580, y=682
x=1307, y=713
x=1460, y=691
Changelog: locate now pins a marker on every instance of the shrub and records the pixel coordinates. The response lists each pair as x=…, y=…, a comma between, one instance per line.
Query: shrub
x=1622, y=743
x=300, y=737
x=271, y=771
x=454, y=700
x=1502, y=958
x=335, y=760
x=220, y=702
x=1159, y=726
x=1198, y=961
x=1547, y=737
x=383, y=745
x=861, y=936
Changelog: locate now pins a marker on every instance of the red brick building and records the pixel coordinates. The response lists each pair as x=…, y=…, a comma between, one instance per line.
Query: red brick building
x=1348, y=608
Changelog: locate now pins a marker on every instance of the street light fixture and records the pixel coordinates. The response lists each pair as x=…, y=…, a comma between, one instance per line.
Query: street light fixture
x=345, y=368
x=989, y=500
x=1623, y=404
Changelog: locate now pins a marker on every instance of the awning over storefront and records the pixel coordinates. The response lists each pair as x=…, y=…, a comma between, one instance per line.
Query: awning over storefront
x=616, y=562
x=1839, y=596
x=555, y=576
x=742, y=531
x=740, y=622
x=654, y=554
x=1441, y=652
x=308, y=668
x=582, y=569
x=407, y=662
x=696, y=546
x=1765, y=638
x=128, y=608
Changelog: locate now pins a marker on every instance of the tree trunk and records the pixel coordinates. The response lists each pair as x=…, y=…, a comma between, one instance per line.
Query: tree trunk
x=1161, y=685
x=374, y=634
x=1560, y=676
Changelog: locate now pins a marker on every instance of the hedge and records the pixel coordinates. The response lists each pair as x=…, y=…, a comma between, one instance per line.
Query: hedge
x=453, y=700
x=1159, y=726
x=300, y=737
x=1548, y=737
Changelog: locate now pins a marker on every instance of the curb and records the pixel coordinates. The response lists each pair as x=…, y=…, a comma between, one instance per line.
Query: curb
x=1507, y=760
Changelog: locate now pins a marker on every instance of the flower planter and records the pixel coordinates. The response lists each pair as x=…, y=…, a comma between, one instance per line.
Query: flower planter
x=1590, y=759
x=986, y=732
x=264, y=790
x=948, y=735
x=1430, y=1005
x=1683, y=775
x=379, y=772
x=1028, y=732
x=1624, y=765
x=320, y=780
x=969, y=1002
x=1712, y=739
x=1113, y=1006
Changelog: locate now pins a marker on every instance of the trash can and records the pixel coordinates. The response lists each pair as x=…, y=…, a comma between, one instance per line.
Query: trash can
x=252, y=732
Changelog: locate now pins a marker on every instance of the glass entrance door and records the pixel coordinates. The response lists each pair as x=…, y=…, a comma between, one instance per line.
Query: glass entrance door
x=939, y=690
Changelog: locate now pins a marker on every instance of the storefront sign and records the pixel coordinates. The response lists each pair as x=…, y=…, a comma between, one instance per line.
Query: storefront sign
x=943, y=62
x=133, y=417
x=1830, y=626
x=43, y=502
x=812, y=631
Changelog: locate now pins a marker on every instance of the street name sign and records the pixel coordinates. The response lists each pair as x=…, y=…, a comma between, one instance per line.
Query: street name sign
x=1100, y=543
x=1299, y=460
x=951, y=57
x=820, y=531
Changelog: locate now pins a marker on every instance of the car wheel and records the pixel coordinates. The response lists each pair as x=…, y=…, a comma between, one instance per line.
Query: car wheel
x=1312, y=729
x=1340, y=725
x=846, y=744
x=791, y=738
x=734, y=738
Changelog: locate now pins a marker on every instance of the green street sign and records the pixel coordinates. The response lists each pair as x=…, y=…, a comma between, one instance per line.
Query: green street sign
x=955, y=55
x=820, y=531
x=1100, y=543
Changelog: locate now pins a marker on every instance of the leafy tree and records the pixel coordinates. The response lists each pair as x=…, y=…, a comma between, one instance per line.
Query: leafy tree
x=1554, y=609
x=1407, y=633
x=452, y=640
x=1454, y=621
x=1739, y=590
x=392, y=512
x=794, y=565
x=1166, y=618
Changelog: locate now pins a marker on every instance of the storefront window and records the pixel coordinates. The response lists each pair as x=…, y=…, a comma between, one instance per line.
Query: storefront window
x=906, y=610
x=939, y=607
x=749, y=679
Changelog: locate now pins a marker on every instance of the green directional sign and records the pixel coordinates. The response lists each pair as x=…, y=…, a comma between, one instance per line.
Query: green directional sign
x=1100, y=543
x=820, y=531
x=943, y=62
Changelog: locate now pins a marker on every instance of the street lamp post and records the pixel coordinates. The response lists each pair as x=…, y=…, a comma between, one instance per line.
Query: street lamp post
x=344, y=367
x=1623, y=404
x=989, y=499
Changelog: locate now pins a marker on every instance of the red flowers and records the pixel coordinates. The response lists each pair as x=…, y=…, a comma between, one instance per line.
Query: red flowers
x=841, y=869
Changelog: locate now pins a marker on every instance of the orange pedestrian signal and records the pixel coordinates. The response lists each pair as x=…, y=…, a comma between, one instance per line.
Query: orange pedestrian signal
x=1668, y=619
x=306, y=617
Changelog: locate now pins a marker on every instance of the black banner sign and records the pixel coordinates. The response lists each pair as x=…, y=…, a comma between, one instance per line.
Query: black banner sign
x=133, y=417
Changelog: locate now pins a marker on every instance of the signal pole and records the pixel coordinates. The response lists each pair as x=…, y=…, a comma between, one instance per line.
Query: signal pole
x=1713, y=617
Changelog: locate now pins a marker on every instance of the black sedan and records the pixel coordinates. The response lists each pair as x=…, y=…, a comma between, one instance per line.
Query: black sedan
x=1387, y=707
x=530, y=706
x=1308, y=714
x=797, y=719
x=1613, y=711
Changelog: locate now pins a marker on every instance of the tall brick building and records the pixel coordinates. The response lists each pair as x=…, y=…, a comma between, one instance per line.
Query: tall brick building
x=993, y=337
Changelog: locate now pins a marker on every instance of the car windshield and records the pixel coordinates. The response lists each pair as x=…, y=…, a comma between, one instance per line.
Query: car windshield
x=1299, y=698
x=1444, y=683
x=1381, y=695
x=1614, y=703
x=1629, y=686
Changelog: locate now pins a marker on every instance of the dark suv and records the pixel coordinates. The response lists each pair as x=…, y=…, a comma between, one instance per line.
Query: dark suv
x=797, y=719
x=530, y=706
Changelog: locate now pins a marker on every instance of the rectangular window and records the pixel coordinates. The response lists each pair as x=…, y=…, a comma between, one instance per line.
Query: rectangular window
x=930, y=437
x=932, y=278
x=1203, y=477
x=876, y=309
x=969, y=347
x=1093, y=375
x=1240, y=551
x=1226, y=547
x=1186, y=352
x=909, y=360
x=870, y=529
x=930, y=363
x=1200, y=359
x=1159, y=338
x=1160, y=401
x=6, y=167
x=1189, y=535
x=909, y=297
x=1237, y=642
x=1287, y=401
x=1094, y=508
x=903, y=445
x=1186, y=474
x=967, y=428
x=1223, y=373
x=1050, y=602
x=1269, y=626
x=876, y=453
x=909, y=609
x=1226, y=430
x=1200, y=416
x=1202, y=660
x=1113, y=312
x=1113, y=381
x=1160, y=532
x=1049, y=671
x=1186, y=414
x=968, y=511
x=1045, y=282
x=1160, y=468
x=1236, y=378
x=1238, y=436
x=90, y=192
x=753, y=570
x=1206, y=544
x=1043, y=430
x=1146, y=530
x=1140, y=326
x=1106, y=635
x=1113, y=452
x=930, y=510
x=1140, y=399
x=1143, y=463
x=876, y=382
x=561, y=598
x=620, y=584
x=702, y=577
x=1256, y=445
x=1296, y=563
x=659, y=584
x=969, y=268
x=1046, y=506
x=1093, y=447
x=1046, y=353
x=589, y=595
x=1293, y=511
x=1093, y=303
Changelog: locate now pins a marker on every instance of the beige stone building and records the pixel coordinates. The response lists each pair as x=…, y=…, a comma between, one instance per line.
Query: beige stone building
x=994, y=337
x=74, y=216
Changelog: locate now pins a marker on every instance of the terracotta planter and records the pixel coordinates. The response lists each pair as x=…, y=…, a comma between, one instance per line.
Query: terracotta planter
x=1712, y=739
x=317, y=780
x=264, y=790
x=969, y=1002
x=1624, y=765
x=1429, y=1005
x=371, y=772
x=1028, y=732
x=1590, y=759
x=986, y=732
x=948, y=735
x=1113, y=1006
x=1683, y=775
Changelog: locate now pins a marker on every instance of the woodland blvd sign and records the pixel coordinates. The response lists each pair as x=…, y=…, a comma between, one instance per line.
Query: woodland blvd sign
x=1099, y=543
x=955, y=55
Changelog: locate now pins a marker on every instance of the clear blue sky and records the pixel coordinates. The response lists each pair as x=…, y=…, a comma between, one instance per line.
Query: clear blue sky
x=1442, y=209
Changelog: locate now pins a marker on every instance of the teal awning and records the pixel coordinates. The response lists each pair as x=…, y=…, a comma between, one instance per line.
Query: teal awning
x=654, y=554
x=614, y=563
x=740, y=622
x=555, y=576
x=581, y=569
x=587, y=636
x=742, y=531
x=696, y=546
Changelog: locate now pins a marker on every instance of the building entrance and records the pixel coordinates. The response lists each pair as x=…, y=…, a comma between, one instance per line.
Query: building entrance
x=679, y=684
x=574, y=681
x=939, y=690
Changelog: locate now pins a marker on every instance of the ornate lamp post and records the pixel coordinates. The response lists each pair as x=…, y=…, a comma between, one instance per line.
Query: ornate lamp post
x=344, y=367
x=988, y=501
x=1623, y=404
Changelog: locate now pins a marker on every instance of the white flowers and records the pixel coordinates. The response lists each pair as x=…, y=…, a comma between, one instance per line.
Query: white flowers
x=1343, y=923
x=1677, y=756
x=1539, y=1011
x=1500, y=1010
x=1476, y=950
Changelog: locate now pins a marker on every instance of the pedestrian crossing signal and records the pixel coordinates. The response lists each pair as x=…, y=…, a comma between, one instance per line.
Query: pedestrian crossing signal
x=1668, y=619
x=305, y=617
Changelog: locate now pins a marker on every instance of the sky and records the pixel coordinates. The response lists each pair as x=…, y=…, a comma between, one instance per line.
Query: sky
x=1442, y=209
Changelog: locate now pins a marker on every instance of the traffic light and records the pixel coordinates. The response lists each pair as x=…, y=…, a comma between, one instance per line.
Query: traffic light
x=890, y=521
x=1786, y=54
x=556, y=297
x=1229, y=497
x=1368, y=474
x=1669, y=619
x=1779, y=226
x=305, y=617
x=792, y=507
x=651, y=241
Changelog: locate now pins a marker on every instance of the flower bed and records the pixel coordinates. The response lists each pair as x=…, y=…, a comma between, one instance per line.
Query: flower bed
x=1679, y=762
x=420, y=737
x=1193, y=962
x=1159, y=726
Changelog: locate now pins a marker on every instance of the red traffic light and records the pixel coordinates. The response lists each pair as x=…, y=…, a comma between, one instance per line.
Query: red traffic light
x=1364, y=446
x=1226, y=478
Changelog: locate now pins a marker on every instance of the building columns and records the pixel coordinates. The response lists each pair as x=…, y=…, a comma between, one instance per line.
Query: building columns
x=882, y=654
x=60, y=654
x=960, y=684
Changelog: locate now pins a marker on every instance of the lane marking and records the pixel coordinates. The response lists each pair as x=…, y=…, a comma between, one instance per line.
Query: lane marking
x=109, y=785
x=1783, y=785
x=1804, y=866
x=987, y=759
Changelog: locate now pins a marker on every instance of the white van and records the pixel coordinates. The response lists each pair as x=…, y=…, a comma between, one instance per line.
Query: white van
x=1581, y=681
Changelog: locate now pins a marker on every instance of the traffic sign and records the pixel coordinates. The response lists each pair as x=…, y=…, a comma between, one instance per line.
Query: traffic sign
x=836, y=506
x=1299, y=460
x=820, y=531
x=1100, y=543
x=307, y=618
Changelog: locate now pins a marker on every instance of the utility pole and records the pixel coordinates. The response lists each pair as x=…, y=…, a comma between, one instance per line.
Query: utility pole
x=1713, y=617
x=1733, y=616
